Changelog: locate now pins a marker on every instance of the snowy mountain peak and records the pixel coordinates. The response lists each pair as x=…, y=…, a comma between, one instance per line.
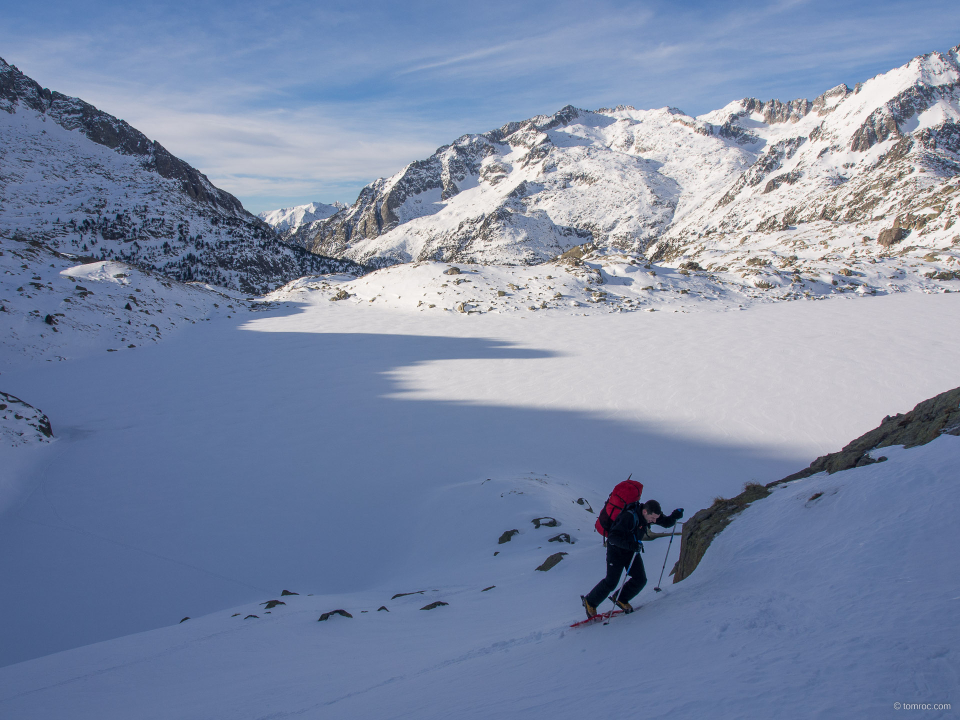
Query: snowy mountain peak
x=16, y=89
x=656, y=181
x=81, y=181
x=289, y=219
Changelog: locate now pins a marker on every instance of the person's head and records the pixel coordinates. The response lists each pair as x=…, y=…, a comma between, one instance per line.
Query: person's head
x=651, y=511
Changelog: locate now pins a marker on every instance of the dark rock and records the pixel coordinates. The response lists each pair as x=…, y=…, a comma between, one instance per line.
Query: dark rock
x=551, y=561
x=383, y=607
x=270, y=604
x=789, y=178
x=581, y=501
x=287, y=592
x=488, y=588
x=185, y=619
x=927, y=421
x=41, y=423
x=252, y=616
x=235, y=615
x=328, y=615
x=431, y=606
x=50, y=320
x=562, y=537
x=452, y=271
x=127, y=307
x=505, y=538
x=700, y=530
x=891, y=236
x=775, y=111
x=545, y=522
x=399, y=595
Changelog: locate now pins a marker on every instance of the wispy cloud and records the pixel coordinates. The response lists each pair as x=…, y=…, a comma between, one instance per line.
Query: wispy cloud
x=292, y=100
x=460, y=59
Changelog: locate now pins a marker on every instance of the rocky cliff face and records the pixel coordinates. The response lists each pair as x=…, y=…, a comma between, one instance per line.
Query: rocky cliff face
x=757, y=176
x=84, y=182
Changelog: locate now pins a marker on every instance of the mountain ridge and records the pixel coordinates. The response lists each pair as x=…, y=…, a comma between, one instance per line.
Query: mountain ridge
x=521, y=193
x=286, y=220
x=81, y=181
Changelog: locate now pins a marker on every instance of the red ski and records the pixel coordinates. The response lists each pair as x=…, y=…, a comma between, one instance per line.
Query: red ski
x=598, y=616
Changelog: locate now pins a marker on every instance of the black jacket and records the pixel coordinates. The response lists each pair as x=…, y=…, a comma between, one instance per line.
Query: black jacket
x=629, y=527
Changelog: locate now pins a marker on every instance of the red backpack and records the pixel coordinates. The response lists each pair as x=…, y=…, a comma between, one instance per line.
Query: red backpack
x=623, y=494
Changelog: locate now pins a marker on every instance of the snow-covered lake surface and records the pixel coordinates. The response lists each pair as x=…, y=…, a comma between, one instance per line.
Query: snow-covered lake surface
x=350, y=452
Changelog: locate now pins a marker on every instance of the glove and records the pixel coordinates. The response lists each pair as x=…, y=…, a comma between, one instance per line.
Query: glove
x=676, y=514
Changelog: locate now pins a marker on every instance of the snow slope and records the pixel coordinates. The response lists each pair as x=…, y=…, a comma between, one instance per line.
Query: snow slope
x=600, y=283
x=212, y=469
x=824, y=600
x=53, y=308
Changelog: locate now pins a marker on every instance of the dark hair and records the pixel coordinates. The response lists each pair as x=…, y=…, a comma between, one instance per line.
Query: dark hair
x=652, y=506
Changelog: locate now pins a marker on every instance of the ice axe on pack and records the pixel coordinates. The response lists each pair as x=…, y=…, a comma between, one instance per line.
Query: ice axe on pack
x=658, y=588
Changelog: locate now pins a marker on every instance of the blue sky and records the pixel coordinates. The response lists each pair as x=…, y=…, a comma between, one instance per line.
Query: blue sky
x=284, y=102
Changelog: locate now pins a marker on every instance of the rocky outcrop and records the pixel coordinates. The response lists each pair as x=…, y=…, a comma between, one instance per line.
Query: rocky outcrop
x=434, y=605
x=551, y=562
x=927, y=421
x=885, y=122
x=769, y=162
x=22, y=423
x=700, y=530
x=890, y=236
x=774, y=111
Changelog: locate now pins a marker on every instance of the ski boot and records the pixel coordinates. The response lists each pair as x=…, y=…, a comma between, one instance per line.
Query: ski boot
x=591, y=610
x=623, y=605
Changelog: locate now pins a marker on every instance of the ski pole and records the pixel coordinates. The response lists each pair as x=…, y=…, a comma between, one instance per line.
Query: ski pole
x=657, y=588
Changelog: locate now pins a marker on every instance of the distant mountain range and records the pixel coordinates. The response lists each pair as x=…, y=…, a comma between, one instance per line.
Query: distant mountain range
x=288, y=219
x=870, y=165
x=83, y=182
x=756, y=189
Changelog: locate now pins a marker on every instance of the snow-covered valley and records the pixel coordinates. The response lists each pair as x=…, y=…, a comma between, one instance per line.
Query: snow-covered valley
x=352, y=451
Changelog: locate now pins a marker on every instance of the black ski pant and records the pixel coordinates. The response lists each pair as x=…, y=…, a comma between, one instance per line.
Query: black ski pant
x=617, y=561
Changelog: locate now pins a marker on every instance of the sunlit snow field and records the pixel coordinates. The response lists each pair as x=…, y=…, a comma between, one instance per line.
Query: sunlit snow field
x=353, y=453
